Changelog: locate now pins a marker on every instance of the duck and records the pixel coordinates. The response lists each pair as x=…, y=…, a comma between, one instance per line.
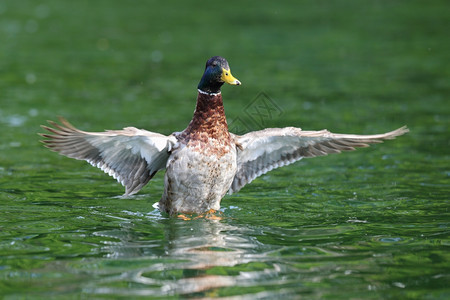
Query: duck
x=204, y=161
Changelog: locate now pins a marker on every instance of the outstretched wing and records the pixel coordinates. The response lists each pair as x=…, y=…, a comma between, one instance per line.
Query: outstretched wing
x=262, y=151
x=132, y=156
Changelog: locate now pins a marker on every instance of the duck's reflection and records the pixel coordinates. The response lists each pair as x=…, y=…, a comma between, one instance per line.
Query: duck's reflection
x=208, y=246
x=198, y=255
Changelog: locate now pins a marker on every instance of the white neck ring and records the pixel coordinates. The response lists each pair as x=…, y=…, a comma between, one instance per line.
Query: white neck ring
x=205, y=93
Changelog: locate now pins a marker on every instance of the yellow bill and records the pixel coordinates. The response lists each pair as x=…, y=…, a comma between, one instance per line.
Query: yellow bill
x=228, y=78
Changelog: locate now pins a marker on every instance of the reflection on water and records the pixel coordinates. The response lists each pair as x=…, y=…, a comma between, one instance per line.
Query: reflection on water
x=97, y=250
x=167, y=256
x=193, y=253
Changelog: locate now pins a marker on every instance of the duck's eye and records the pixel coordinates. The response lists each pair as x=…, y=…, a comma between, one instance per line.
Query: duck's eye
x=226, y=74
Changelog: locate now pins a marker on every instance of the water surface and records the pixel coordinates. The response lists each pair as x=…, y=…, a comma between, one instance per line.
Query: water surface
x=369, y=224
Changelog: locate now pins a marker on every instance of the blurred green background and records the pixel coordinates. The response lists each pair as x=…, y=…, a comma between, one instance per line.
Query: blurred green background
x=348, y=66
x=140, y=61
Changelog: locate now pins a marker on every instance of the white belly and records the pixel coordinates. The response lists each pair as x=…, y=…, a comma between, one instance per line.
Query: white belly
x=195, y=182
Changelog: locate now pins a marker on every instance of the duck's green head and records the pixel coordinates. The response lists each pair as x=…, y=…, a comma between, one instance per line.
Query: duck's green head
x=217, y=72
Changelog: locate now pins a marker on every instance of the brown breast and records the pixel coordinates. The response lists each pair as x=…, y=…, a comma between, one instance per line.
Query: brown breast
x=208, y=130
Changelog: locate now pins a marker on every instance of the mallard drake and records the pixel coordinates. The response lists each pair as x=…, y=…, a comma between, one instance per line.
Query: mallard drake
x=204, y=161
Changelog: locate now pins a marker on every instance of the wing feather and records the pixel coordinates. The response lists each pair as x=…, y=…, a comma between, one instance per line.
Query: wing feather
x=259, y=152
x=132, y=156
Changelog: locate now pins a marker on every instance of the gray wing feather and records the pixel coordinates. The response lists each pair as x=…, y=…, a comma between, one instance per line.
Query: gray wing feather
x=262, y=151
x=132, y=156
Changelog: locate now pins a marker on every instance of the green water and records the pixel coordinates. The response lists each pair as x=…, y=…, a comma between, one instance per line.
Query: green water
x=371, y=224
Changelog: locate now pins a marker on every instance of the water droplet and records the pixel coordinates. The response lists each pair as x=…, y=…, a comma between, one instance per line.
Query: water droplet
x=33, y=112
x=399, y=284
x=390, y=239
x=31, y=26
x=15, y=144
x=30, y=78
x=15, y=120
x=42, y=11
x=157, y=56
x=12, y=27
x=307, y=105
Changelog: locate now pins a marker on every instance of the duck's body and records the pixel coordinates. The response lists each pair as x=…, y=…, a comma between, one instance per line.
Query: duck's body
x=205, y=160
x=203, y=164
